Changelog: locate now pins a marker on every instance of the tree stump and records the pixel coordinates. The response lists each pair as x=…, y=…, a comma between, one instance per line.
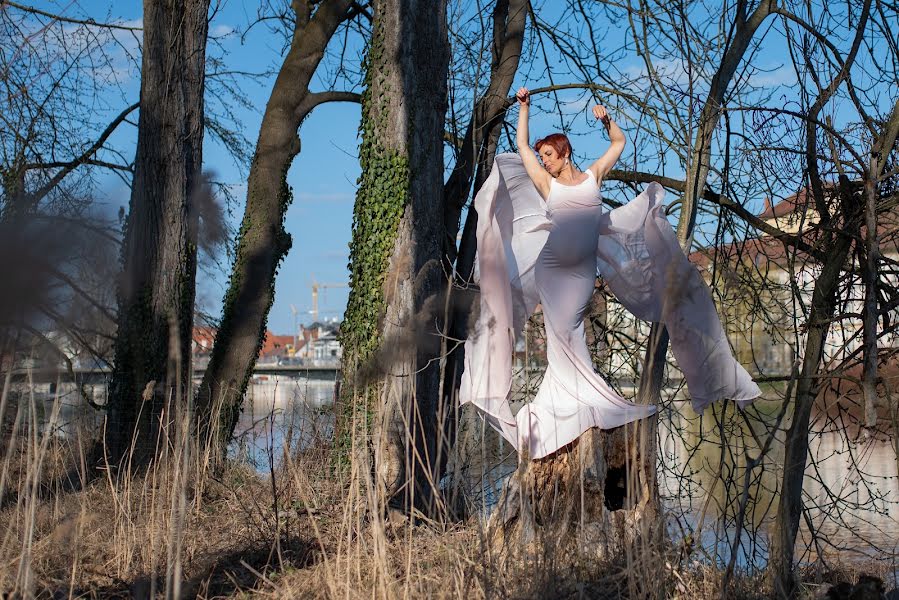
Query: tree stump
x=594, y=497
x=588, y=500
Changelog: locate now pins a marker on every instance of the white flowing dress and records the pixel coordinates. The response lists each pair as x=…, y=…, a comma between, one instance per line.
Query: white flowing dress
x=532, y=251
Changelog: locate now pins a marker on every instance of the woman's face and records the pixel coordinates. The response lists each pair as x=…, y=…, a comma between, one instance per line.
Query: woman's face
x=552, y=161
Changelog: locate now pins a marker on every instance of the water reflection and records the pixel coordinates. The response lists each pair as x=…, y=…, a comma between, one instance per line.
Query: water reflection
x=283, y=414
x=850, y=489
x=57, y=409
x=278, y=413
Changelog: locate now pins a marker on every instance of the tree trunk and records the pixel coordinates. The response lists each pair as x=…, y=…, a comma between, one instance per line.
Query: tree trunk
x=697, y=176
x=589, y=500
x=869, y=261
x=700, y=157
x=263, y=242
x=837, y=243
x=789, y=508
x=156, y=294
x=509, y=18
x=474, y=161
x=389, y=331
x=870, y=269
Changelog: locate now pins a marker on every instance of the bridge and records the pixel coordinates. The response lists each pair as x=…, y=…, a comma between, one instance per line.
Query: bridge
x=98, y=375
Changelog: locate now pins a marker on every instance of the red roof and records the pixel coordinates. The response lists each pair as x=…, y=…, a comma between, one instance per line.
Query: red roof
x=276, y=345
x=203, y=338
x=787, y=206
x=763, y=249
x=796, y=203
x=770, y=249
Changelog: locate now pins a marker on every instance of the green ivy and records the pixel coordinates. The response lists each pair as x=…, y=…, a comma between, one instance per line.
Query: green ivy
x=383, y=191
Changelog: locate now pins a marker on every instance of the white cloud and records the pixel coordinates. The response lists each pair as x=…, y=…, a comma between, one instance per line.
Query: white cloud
x=221, y=31
x=780, y=76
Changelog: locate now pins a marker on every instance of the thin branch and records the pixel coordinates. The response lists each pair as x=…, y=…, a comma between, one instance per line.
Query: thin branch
x=722, y=201
x=92, y=161
x=62, y=19
x=70, y=166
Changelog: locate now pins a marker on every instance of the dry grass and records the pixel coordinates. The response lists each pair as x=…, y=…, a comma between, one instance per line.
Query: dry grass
x=179, y=530
x=108, y=541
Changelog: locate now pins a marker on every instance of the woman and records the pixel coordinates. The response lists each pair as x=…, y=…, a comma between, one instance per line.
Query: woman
x=542, y=234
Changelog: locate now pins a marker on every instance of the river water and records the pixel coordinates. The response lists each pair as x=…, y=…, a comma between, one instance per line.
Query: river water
x=851, y=488
x=851, y=491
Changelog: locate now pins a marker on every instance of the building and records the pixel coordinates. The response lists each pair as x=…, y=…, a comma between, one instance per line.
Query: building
x=326, y=349
x=276, y=349
x=202, y=340
x=764, y=290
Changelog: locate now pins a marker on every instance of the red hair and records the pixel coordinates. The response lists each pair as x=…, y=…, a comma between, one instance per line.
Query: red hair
x=558, y=141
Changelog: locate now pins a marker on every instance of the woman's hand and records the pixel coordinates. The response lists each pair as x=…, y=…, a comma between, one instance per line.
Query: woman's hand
x=523, y=96
x=600, y=112
x=539, y=176
x=604, y=163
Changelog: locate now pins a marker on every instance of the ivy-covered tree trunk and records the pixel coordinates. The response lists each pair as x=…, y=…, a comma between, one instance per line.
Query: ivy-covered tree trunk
x=262, y=242
x=156, y=296
x=390, y=330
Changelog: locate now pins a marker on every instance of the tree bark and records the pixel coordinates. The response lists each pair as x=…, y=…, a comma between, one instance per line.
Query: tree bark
x=263, y=241
x=156, y=294
x=473, y=164
x=837, y=243
x=397, y=247
x=870, y=269
x=589, y=500
x=789, y=508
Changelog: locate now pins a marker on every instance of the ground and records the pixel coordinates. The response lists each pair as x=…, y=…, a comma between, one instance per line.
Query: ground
x=300, y=531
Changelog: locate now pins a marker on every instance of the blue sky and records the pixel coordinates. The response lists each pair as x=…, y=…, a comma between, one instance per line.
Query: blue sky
x=323, y=175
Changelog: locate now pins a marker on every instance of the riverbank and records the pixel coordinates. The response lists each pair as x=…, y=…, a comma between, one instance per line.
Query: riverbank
x=295, y=532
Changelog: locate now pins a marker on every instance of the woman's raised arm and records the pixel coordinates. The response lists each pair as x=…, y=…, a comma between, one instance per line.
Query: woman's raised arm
x=605, y=162
x=535, y=170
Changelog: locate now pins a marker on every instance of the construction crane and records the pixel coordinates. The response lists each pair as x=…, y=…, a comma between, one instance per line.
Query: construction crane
x=315, y=287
